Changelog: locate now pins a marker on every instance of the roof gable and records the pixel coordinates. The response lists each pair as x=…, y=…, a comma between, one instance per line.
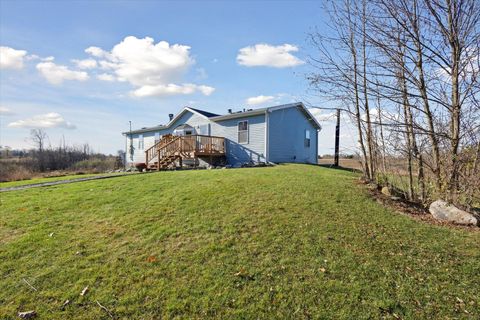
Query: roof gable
x=178, y=116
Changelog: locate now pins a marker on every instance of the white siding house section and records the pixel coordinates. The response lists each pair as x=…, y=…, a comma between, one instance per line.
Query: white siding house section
x=192, y=119
x=139, y=154
x=287, y=131
x=253, y=150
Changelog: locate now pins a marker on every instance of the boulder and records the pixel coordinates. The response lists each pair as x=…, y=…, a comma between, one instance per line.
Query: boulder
x=441, y=210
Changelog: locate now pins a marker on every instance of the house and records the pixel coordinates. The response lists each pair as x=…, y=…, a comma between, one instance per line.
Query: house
x=284, y=133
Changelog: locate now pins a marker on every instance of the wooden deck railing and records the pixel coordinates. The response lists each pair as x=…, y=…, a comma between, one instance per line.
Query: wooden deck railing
x=196, y=144
x=152, y=152
x=201, y=144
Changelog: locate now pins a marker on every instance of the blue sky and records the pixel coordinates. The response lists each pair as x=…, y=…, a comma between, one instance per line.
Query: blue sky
x=219, y=54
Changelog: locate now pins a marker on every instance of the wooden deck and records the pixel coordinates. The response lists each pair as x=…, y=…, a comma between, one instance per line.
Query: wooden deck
x=171, y=148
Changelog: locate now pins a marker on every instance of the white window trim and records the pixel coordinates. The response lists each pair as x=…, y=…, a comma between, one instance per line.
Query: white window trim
x=305, y=138
x=248, y=132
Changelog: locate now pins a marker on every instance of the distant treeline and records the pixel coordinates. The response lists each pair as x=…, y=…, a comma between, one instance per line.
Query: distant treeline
x=23, y=164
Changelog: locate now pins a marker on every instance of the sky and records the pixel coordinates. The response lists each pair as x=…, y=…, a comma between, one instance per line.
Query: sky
x=83, y=69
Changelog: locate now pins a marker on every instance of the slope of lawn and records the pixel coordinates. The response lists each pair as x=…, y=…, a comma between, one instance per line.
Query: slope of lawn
x=286, y=242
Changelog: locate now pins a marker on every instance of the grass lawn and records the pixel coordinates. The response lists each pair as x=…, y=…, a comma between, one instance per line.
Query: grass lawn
x=50, y=179
x=286, y=242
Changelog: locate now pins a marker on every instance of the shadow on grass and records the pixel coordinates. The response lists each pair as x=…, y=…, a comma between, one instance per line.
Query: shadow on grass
x=332, y=166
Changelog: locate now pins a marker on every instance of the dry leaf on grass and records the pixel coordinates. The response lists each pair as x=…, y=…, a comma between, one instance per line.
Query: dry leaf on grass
x=151, y=259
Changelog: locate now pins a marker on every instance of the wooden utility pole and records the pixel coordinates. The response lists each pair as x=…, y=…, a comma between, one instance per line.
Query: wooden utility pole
x=337, y=138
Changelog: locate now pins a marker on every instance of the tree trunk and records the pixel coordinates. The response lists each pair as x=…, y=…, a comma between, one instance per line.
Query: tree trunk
x=424, y=96
x=365, y=94
x=353, y=51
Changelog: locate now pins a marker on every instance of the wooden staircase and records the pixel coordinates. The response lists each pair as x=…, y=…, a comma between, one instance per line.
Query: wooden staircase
x=164, y=154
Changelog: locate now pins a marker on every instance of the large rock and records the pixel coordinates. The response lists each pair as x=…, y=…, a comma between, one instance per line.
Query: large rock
x=441, y=210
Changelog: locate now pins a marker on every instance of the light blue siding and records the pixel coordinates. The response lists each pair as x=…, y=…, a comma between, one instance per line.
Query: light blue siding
x=286, y=137
x=238, y=153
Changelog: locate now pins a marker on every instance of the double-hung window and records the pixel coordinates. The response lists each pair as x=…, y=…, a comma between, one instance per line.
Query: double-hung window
x=243, y=132
x=140, y=141
x=307, y=138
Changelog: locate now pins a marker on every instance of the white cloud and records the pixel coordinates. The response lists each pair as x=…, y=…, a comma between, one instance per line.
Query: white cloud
x=171, y=89
x=259, y=100
x=48, y=120
x=4, y=111
x=105, y=77
x=96, y=52
x=323, y=115
x=86, y=63
x=142, y=62
x=11, y=58
x=153, y=68
x=388, y=116
x=269, y=56
x=56, y=74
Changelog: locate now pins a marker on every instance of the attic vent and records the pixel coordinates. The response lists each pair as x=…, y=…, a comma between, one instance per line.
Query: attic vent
x=170, y=116
x=144, y=128
x=249, y=109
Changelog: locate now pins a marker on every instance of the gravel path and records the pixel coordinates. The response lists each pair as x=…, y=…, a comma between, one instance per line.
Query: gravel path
x=53, y=183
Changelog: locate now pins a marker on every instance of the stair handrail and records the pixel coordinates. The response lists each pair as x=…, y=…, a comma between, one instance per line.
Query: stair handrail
x=164, y=148
x=152, y=152
x=169, y=149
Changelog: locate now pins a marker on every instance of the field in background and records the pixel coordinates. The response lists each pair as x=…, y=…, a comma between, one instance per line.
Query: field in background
x=25, y=169
x=290, y=241
x=343, y=162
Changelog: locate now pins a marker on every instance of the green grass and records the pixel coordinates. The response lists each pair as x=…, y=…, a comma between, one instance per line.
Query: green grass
x=49, y=179
x=286, y=242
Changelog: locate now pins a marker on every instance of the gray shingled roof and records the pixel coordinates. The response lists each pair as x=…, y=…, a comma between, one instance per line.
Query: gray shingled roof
x=216, y=117
x=205, y=113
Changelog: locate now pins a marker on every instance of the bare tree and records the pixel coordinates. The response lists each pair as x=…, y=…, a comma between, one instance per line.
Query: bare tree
x=420, y=61
x=39, y=138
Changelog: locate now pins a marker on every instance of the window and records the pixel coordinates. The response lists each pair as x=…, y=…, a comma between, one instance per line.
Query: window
x=204, y=129
x=243, y=131
x=140, y=141
x=157, y=137
x=307, y=138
